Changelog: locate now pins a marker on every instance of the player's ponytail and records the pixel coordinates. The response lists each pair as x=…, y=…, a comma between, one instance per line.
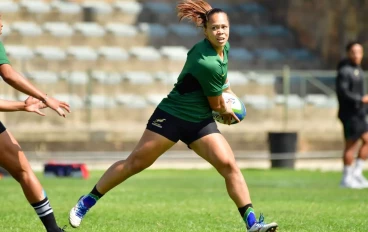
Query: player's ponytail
x=196, y=11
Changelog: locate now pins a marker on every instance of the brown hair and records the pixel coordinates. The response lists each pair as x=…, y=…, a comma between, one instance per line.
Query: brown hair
x=197, y=11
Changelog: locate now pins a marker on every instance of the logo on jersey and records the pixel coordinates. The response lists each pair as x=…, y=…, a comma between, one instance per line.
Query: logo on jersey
x=158, y=122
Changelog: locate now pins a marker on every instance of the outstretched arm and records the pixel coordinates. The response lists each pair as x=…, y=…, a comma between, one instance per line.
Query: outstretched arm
x=14, y=79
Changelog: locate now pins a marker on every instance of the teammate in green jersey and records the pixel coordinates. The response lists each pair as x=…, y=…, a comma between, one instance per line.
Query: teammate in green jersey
x=12, y=157
x=186, y=115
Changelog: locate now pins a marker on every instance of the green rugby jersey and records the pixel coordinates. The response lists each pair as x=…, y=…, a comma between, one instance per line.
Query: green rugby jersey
x=204, y=74
x=3, y=58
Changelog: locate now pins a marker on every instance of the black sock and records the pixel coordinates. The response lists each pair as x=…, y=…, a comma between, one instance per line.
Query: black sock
x=96, y=192
x=46, y=215
x=243, y=209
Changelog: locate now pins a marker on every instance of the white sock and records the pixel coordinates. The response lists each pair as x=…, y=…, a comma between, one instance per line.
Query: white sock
x=348, y=169
x=359, y=165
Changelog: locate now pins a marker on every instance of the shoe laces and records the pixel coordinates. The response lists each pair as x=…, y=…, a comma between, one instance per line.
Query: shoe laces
x=63, y=229
x=261, y=219
x=260, y=223
x=81, y=209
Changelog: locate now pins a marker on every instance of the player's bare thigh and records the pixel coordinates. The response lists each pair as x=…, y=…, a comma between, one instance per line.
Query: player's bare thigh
x=12, y=157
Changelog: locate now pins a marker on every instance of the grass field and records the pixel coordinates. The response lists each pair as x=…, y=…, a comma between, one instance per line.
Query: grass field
x=196, y=200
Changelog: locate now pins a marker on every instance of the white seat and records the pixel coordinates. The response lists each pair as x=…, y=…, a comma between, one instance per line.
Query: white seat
x=153, y=29
x=159, y=7
x=113, y=53
x=50, y=53
x=237, y=78
x=330, y=103
x=131, y=101
x=73, y=100
x=58, y=29
x=293, y=101
x=100, y=102
x=36, y=6
x=76, y=77
x=6, y=29
x=27, y=28
x=260, y=102
x=155, y=99
x=82, y=53
x=19, y=52
x=241, y=54
x=8, y=6
x=316, y=99
x=106, y=77
x=128, y=7
x=138, y=78
x=167, y=78
x=122, y=30
x=9, y=97
x=145, y=53
x=262, y=78
x=43, y=77
x=99, y=7
x=183, y=30
x=174, y=52
x=63, y=7
x=89, y=29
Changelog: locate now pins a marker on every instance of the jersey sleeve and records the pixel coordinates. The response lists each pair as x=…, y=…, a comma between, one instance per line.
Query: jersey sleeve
x=226, y=85
x=342, y=88
x=210, y=81
x=3, y=57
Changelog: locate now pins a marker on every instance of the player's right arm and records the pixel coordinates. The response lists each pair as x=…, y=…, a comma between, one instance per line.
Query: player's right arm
x=212, y=88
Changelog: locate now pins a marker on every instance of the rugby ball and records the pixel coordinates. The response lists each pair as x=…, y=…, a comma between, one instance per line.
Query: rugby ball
x=237, y=107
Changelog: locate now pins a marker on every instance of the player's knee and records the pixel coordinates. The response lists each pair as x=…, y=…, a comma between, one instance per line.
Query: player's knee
x=20, y=174
x=228, y=168
x=137, y=165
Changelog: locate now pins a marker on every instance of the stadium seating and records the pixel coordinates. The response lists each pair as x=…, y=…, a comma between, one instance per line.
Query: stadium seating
x=8, y=6
x=67, y=8
x=82, y=53
x=35, y=6
x=27, y=28
x=89, y=29
x=106, y=78
x=43, y=77
x=128, y=7
x=133, y=51
x=58, y=29
x=113, y=53
x=50, y=53
x=121, y=30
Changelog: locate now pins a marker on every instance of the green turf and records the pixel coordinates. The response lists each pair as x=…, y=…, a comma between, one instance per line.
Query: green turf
x=196, y=200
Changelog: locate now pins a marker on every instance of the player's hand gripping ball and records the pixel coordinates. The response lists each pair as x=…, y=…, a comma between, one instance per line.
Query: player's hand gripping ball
x=237, y=107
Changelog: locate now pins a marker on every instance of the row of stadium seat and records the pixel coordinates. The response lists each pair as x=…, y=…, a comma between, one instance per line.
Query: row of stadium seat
x=175, y=53
x=259, y=102
x=127, y=7
x=93, y=29
x=138, y=77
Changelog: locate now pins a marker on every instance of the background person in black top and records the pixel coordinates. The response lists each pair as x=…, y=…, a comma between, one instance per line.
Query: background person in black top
x=352, y=113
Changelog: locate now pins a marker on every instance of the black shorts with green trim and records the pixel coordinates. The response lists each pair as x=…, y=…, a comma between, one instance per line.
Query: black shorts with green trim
x=176, y=129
